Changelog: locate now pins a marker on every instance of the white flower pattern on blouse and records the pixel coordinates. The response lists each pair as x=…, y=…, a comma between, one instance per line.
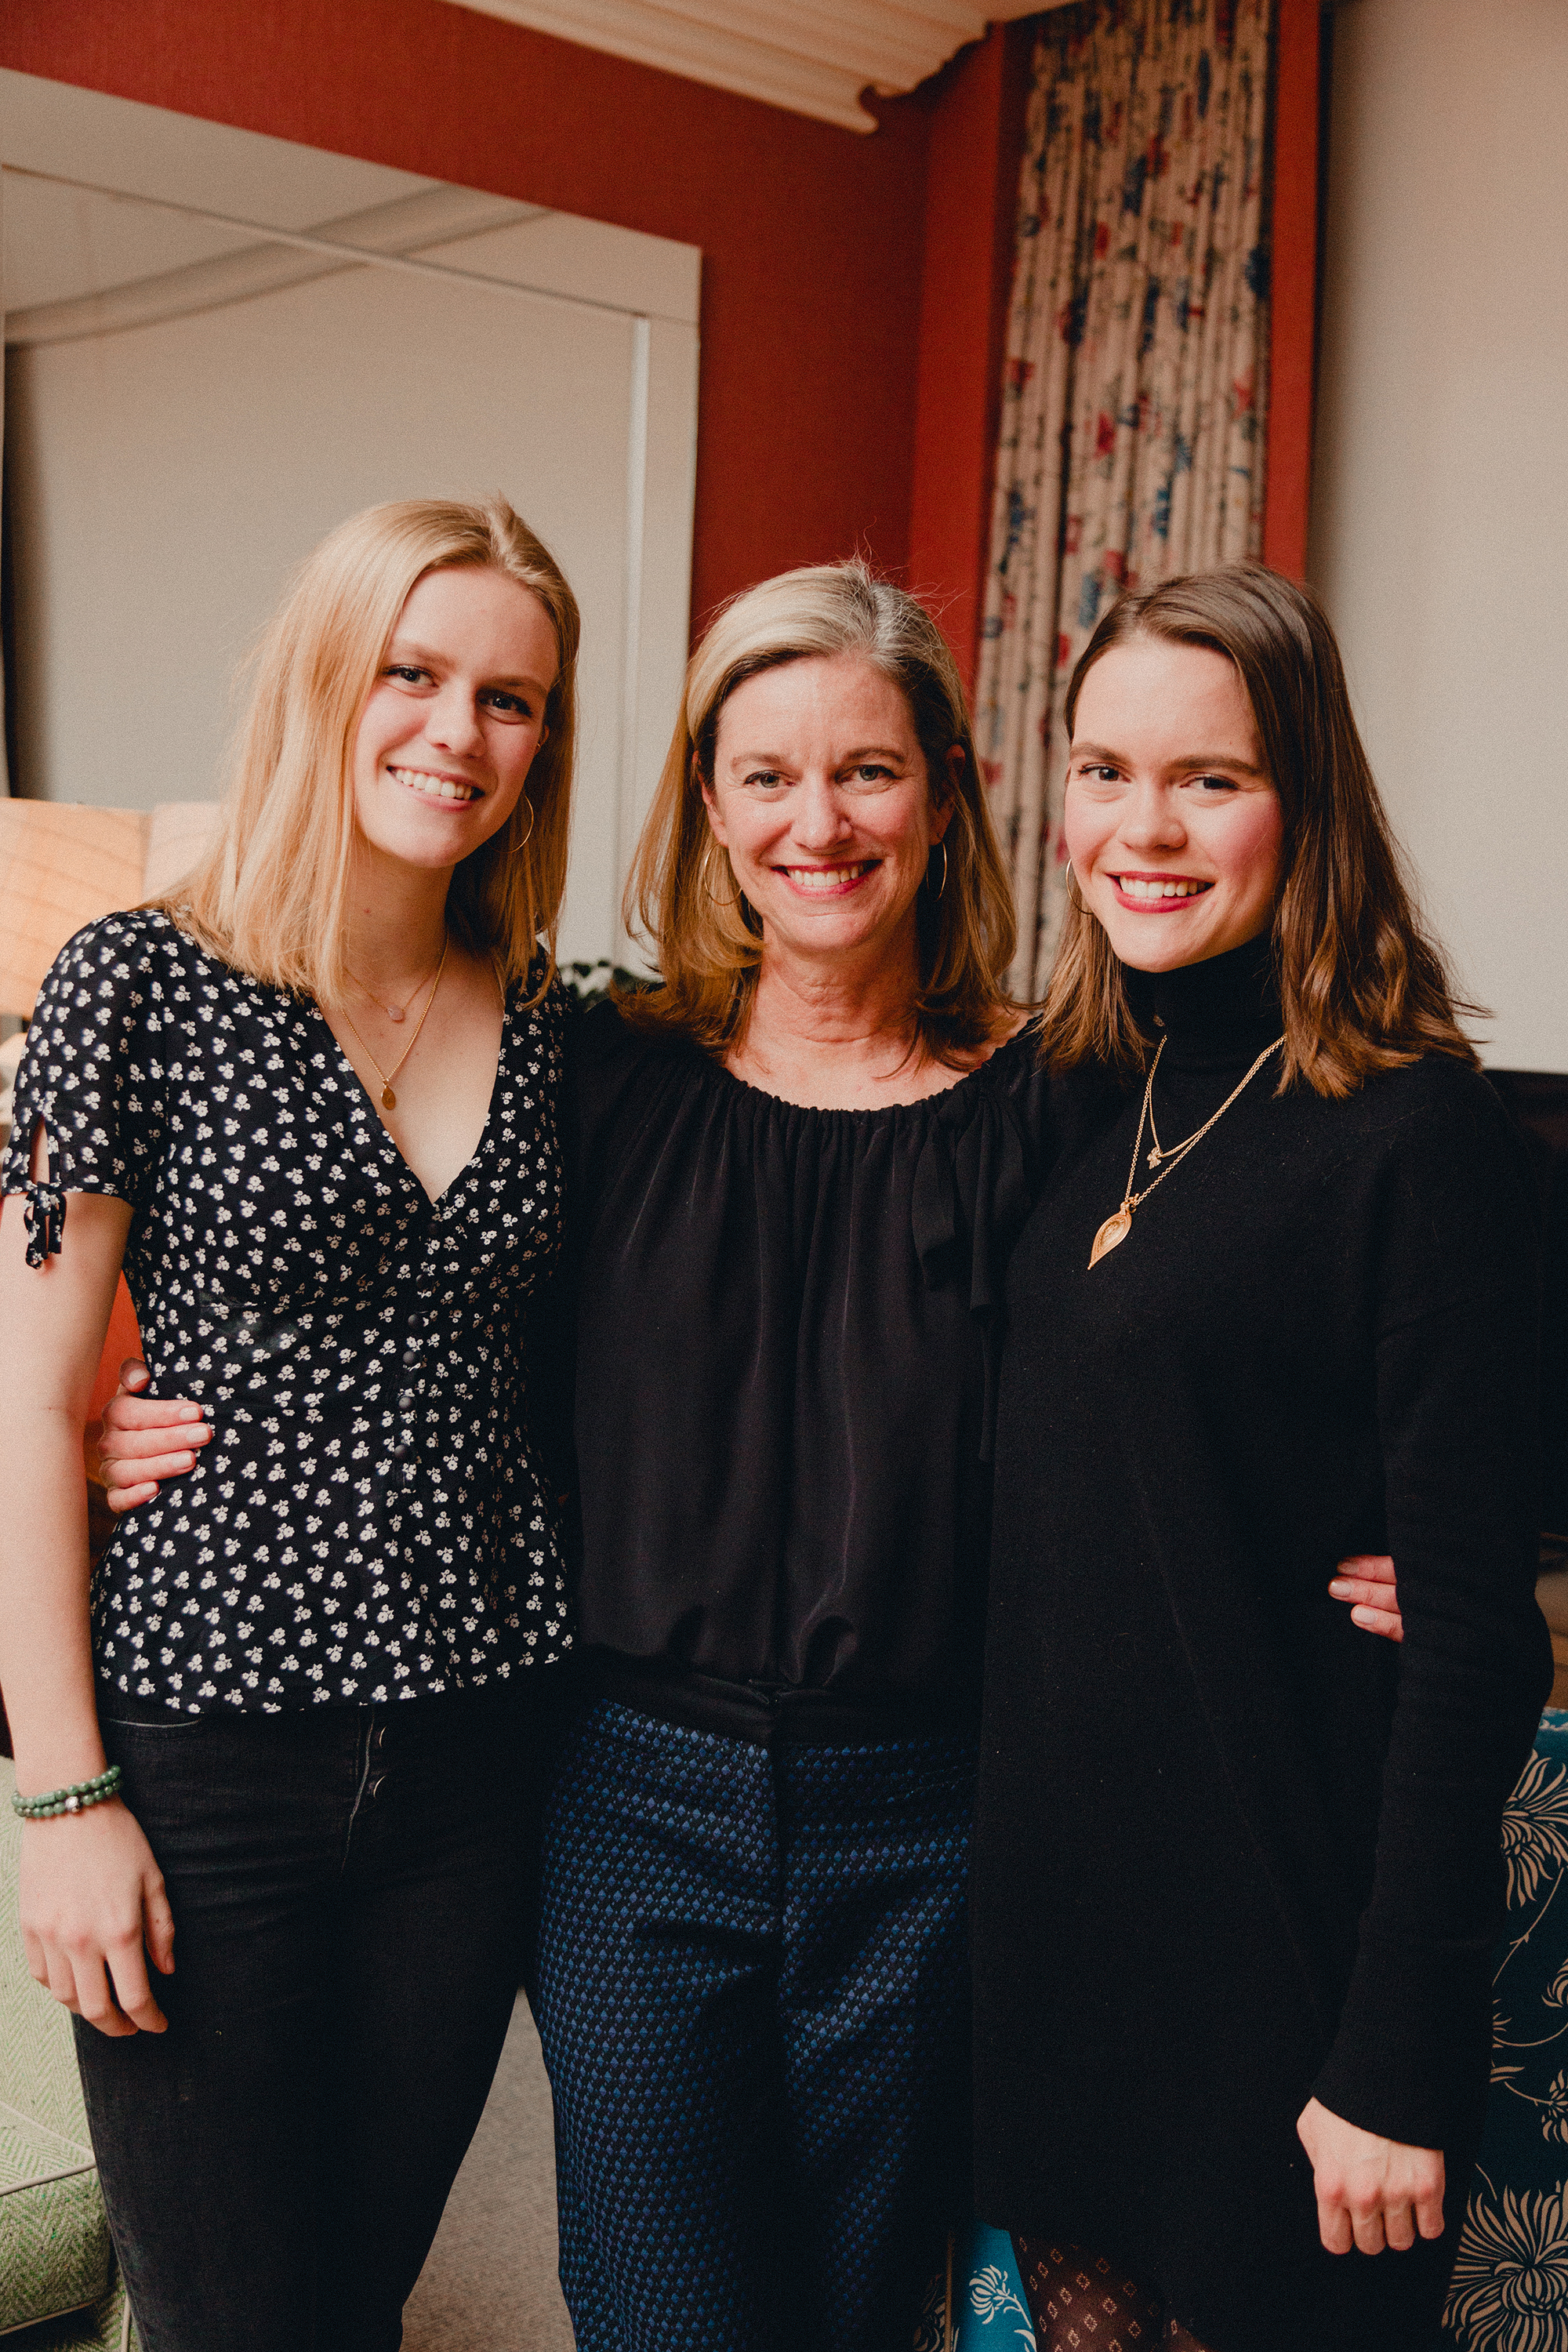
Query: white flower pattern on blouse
x=370, y=1521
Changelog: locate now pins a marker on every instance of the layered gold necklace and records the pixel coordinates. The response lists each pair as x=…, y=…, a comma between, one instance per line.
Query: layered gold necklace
x=389, y=1100
x=1119, y=1224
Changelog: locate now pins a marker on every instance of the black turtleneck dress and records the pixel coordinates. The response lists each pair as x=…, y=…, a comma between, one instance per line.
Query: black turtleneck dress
x=1232, y=1853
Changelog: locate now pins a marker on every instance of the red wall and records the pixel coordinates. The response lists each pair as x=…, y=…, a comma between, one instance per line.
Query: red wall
x=811, y=235
x=854, y=288
x=1293, y=316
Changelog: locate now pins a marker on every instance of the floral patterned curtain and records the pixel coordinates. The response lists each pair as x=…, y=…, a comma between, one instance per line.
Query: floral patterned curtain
x=1135, y=393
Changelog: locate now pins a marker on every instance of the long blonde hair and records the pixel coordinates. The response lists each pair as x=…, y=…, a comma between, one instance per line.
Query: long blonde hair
x=271, y=896
x=1362, y=985
x=681, y=895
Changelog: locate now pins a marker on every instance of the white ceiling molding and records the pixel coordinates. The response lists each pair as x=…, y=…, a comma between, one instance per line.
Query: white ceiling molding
x=812, y=58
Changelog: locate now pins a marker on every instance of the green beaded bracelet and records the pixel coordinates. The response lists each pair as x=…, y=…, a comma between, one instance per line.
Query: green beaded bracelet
x=74, y=1800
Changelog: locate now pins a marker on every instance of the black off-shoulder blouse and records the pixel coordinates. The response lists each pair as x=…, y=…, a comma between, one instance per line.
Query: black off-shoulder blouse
x=788, y=1323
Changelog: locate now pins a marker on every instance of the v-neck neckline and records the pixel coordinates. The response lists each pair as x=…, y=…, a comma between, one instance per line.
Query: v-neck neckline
x=390, y=1143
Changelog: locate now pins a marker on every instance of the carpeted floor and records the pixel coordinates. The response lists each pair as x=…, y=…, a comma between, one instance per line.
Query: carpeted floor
x=489, y=2284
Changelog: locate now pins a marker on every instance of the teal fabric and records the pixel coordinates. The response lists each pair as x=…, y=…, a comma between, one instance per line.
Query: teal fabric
x=992, y=2313
x=56, y=2264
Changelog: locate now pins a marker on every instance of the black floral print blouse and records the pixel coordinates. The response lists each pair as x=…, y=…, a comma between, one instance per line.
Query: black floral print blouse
x=371, y=1520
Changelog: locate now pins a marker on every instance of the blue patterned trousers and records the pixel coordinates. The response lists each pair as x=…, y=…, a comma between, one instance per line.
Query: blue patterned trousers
x=754, y=2008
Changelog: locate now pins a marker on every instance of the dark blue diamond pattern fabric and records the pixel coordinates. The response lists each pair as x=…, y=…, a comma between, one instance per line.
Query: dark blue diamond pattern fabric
x=753, y=2005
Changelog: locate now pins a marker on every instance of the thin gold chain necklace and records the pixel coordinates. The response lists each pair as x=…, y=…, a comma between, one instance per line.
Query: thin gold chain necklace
x=1119, y=1224
x=389, y=1100
x=397, y=1012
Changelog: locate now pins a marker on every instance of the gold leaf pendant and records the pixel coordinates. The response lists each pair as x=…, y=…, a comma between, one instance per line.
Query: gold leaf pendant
x=1114, y=1231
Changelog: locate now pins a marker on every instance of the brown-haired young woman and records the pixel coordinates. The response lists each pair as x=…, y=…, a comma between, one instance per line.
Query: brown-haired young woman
x=1236, y=1873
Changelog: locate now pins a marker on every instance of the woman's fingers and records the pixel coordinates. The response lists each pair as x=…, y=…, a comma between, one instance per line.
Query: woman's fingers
x=159, y=1926
x=163, y=1425
x=132, y=1994
x=1372, y=2192
x=133, y=1461
x=125, y=1498
x=127, y=1469
x=1367, y=1581
x=1370, y=1567
x=1366, y=2227
x=1399, y=2227
x=58, y=1979
x=37, y=1959
x=92, y=1904
x=1334, y=2225
x=95, y=1998
x=1429, y=2205
x=142, y=1440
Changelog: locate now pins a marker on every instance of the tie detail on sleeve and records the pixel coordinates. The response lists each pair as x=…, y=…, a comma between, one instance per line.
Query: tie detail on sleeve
x=45, y=1218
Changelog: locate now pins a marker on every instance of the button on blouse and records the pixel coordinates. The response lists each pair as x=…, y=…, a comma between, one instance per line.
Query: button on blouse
x=372, y=1519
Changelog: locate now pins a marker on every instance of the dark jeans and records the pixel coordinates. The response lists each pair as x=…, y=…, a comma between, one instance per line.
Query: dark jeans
x=350, y=1890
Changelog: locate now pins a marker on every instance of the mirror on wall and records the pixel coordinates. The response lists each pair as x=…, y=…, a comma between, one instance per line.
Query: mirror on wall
x=217, y=345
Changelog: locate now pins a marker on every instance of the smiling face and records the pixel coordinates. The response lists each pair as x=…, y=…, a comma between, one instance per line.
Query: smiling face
x=820, y=795
x=454, y=718
x=1174, y=831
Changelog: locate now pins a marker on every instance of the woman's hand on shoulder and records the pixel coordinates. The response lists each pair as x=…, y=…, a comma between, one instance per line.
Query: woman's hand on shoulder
x=93, y=1907
x=1367, y=1582
x=1372, y=2192
x=143, y=1440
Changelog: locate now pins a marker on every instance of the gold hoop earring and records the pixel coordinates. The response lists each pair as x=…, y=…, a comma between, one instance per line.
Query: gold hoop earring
x=713, y=897
x=518, y=846
x=943, y=884
x=1076, y=898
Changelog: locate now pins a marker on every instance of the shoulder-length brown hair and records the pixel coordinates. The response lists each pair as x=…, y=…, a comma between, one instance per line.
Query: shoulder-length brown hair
x=271, y=896
x=1362, y=985
x=682, y=896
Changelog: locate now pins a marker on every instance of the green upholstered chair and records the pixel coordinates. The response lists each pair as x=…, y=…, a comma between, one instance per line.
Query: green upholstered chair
x=59, y=2288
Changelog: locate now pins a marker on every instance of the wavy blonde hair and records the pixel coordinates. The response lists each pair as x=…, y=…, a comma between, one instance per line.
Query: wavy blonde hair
x=1363, y=984
x=682, y=897
x=271, y=896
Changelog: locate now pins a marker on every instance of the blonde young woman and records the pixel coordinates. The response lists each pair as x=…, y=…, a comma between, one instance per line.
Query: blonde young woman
x=289, y=1753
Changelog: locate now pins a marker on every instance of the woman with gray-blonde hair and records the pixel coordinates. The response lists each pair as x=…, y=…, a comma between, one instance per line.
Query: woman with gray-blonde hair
x=287, y=1751
x=802, y=1160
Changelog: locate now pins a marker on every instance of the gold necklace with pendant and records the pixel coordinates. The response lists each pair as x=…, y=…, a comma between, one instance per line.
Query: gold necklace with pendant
x=389, y=1100
x=1119, y=1224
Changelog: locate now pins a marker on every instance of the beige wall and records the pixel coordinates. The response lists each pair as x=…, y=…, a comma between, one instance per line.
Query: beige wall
x=1440, y=493
x=165, y=477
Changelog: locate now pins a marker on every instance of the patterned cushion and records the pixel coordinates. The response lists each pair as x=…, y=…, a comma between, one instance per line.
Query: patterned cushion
x=988, y=2305
x=1509, y=2289
x=54, y=2238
